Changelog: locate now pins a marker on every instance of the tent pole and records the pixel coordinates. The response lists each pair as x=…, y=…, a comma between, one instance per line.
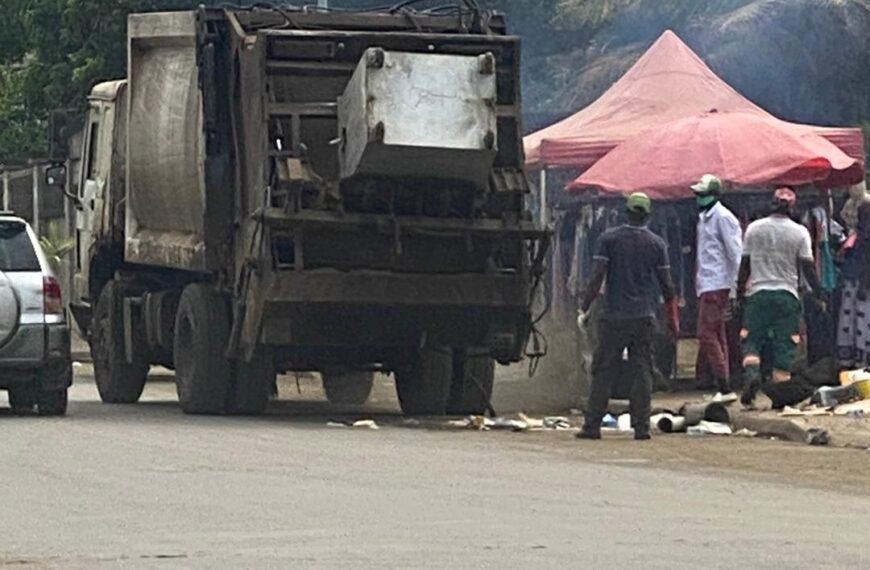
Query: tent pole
x=543, y=218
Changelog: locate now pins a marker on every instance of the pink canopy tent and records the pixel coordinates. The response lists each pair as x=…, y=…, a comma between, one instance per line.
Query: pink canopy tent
x=747, y=149
x=669, y=82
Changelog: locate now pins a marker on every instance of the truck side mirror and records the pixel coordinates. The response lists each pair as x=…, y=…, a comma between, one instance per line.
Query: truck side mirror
x=55, y=176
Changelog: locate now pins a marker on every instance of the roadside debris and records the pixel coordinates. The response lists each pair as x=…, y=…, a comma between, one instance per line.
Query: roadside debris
x=521, y=423
x=745, y=433
x=623, y=423
x=709, y=428
x=818, y=436
x=789, y=411
x=830, y=396
x=367, y=424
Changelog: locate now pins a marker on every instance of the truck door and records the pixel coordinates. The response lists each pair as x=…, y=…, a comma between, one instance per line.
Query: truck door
x=95, y=176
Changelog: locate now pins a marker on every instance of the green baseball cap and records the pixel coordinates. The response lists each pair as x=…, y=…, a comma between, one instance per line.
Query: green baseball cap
x=638, y=201
x=708, y=183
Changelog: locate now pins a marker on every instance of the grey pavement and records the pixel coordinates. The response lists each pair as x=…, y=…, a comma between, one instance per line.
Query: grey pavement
x=147, y=487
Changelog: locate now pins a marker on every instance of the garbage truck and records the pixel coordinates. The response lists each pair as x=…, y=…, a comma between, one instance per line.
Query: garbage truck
x=282, y=189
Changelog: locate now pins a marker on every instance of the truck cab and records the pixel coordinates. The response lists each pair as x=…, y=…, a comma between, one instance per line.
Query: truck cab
x=100, y=198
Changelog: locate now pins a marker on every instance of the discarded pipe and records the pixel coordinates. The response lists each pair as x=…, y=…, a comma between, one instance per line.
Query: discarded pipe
x=696, y=412
x=671, y=424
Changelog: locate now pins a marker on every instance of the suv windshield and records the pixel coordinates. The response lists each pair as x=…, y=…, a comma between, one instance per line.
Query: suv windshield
x=16, y=251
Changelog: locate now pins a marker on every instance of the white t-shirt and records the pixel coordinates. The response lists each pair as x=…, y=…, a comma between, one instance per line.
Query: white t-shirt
x=774, y=245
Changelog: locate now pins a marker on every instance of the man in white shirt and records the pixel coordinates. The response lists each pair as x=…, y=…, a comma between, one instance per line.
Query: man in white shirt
x=719, y=247
x=776, y=250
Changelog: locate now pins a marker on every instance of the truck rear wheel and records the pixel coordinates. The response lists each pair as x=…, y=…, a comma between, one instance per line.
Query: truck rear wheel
x=423, y=386
x=252, y=384
x=350, y=388
x=473, y=378
x=202, y=330
x=118, y=381
x=52, y=402
x=22, y=398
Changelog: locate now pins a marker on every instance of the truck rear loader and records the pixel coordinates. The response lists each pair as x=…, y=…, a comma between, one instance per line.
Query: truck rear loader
x=278, y=189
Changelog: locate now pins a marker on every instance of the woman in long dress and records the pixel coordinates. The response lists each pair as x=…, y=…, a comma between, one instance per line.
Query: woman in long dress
x=853, y=329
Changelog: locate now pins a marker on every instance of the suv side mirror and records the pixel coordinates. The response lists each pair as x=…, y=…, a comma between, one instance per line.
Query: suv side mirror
x=55, y=176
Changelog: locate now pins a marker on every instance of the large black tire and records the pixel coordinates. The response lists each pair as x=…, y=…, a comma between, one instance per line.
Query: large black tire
x=252, y=384
x=22, y=399
x=202, y=372
x=348, y=388
x=473, y=378
x=118, y=381
x=52, y=402
x=423, y=386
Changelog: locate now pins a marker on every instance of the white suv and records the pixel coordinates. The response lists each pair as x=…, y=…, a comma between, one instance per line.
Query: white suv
x=35, y=363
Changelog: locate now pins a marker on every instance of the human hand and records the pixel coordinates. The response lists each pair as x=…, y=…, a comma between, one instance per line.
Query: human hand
x=582, y=319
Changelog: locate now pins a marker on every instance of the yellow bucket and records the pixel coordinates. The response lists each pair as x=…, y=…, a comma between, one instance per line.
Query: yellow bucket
x=863, y=387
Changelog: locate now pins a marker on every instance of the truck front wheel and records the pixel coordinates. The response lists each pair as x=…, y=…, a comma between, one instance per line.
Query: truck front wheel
x=252, y=384
x=202, y=329
x=118, y=381
x=423, y=386
x=349, y=388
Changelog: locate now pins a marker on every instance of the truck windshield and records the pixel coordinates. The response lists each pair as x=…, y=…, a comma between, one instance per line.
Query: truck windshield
x=16, y=251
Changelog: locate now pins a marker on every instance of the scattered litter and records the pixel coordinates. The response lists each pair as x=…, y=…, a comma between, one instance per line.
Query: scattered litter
x=818, y=436
x=482, y=423
x=557, y=422
x=855, y=414
x=533, y=423
x=709, y=428
x=789, y=411
x=608, y=421
x=77, y=364
x=862, y=407
x=829, y=396
x=369, y=424
x=745, y=433
x=506, y=423
x=623, y=422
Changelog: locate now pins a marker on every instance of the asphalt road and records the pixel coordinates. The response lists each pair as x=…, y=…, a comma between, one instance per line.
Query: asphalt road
x=147, y=487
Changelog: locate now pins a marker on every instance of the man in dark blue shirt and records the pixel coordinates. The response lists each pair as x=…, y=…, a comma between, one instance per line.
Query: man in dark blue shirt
x=633, y=262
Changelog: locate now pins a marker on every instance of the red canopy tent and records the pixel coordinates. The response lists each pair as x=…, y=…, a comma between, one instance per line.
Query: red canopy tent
x=746, y=149
x=669, y=82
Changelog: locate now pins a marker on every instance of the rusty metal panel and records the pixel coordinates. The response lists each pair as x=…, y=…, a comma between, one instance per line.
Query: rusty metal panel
x=420, y=114
x=165, y=177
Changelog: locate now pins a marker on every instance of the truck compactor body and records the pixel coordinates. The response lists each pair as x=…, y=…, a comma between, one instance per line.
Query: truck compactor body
x=284, y=190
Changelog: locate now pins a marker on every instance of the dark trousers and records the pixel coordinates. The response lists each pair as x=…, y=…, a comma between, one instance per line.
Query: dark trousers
x=614, y=336
x=712, y=340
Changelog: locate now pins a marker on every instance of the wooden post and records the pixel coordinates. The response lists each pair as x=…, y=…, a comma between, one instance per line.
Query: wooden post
x=543, y=217
x=5, y=190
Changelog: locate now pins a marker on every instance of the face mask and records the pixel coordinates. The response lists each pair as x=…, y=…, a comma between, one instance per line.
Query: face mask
x=705, y=201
